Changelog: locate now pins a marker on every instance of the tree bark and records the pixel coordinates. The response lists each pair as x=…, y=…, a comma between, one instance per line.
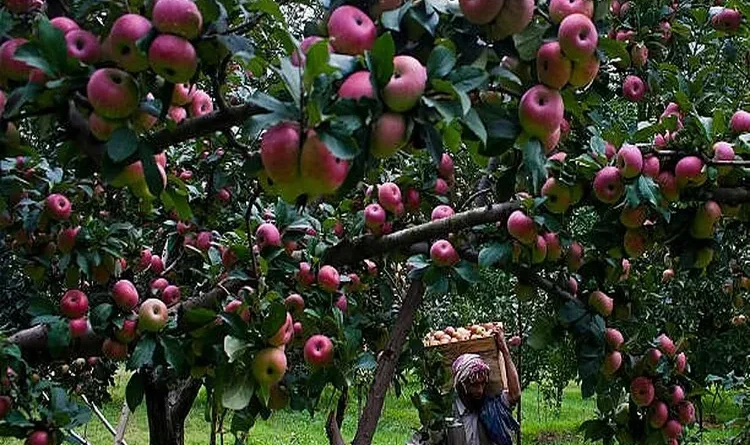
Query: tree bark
x=167, y=409
x=386, y=369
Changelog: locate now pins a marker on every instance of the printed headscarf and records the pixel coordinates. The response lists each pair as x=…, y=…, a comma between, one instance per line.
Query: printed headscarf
x=469, y=368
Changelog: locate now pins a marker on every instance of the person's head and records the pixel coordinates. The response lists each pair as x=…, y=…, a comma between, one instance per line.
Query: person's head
x=470, y=377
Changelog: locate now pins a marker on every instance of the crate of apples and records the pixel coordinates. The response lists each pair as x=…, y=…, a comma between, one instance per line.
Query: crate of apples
x=455, y=335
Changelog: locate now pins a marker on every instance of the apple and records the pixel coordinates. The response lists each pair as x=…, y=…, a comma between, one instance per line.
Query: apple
x=39, y=437
x=608, y=185
x=279, y=151
x=295, y=303
x=480, y=12
x=158, y=285
x=634, y=243
x=601, y=303
x=388, y=135
x=298, y=57
x=114, y=350
x=513, y=18
x=64, y=24
x=578, y=37
x=125, y=294
x=689, y=171
x=642, y=391
x=412, y=199
x=633, y=88
x=285, y=333
x=407, y=84
x=269, y=366
x=328, y=278
x=554, y=250
x=78, y=327
x=443, y=254
x=74, y=304
x=83, y=45
x=375, y=217
x=584, y=72
x=552, y=67
x=58, y=207
x=224, y=195
x=170, y=295
x=446, y=168
x=727, y=20
x=179, y=17
x=668, y=186
x=102, y=128
x=541, y=111
x=266, y=236
x=173, y=58
x=639, y=55
x=157, y=265
x=389, y=196
x=305, y=276
x=651, y=166
x=123, y=38
x=128, y=332
x=201, y=104
x=152, y=315
x=342, y=303
x=614, y=339
x=612, y=363
x=113, y=93
x=10, y=67
x=559, y=9
x=658, y=414
x=357, y=86
x=539, y=250
x=66, y=239
x=740, y=122
x=557, y=194
x=686, y=413
x=322, y=172
x=6, y=403
x=522, y=227
x=351, y=31
x=176, y=114
x=633, y=217
x=318, y=351
x=441, y=187
x=629, y=161
x=182, y=94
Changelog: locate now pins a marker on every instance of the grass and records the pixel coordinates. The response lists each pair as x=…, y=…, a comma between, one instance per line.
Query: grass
x=541, y=423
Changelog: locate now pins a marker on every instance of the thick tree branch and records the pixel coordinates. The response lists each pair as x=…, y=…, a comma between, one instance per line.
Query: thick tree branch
x=736, y=195
x=363, y=247
x=387, y=362
x=200, y=126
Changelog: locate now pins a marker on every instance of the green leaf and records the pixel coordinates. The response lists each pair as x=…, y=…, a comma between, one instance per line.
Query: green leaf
x=174, y=353
x=571, y=312
x=237, y=45
x=380, y=59
x=291, y=77
x=475, y=124
x=154, y=179
x=254, y=125
x=392, y=19
x=270, y=7
x=534, y=162
x=238, y=391
x=317, y=62
x=648, y=190
x=495, y=253
x=58, y=334
x=199, y=316
x=134, y=391
x=6, y=23
x=439, y=286
x=468, y=78
x=418, y=261
x=178, y=202
x=233, y=346
x=541, y=334
x=469, y=272
x=39, y=306
x=530, y=39
x=143, y=354
x=100, y=316
x=274, y=320
x=433, y=142
x=53, y=44
x=343, y=149
x=614, y=49
x=122, y=145
x=441, y=62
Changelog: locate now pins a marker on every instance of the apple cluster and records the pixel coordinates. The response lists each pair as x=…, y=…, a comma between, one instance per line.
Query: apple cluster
x=453, y=335
x=537, y=247
x=726, y=20
x=503, y=17
x=655, y=391
x=74, y=305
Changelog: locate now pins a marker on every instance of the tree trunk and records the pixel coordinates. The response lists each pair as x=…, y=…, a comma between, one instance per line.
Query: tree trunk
x=167, y=409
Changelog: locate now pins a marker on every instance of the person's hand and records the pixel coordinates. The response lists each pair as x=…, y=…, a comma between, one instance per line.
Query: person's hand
x=500, y=339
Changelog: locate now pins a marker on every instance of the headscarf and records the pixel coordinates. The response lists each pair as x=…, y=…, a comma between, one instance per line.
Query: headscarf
x=469, y=368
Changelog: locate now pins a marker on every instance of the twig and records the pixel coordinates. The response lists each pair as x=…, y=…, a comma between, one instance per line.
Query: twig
x=122, y=425
x=472, y=197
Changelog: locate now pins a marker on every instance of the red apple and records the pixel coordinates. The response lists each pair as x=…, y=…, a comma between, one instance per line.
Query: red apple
x=64, y=24
x=578, y=37
x=318, y=351
x=112, y=93
x=201, y=104
x=127, y=30
x=633, y=88
x=295, y=303
x=513, y=18
x=388, y=135
x=66, y=239
x=173, y=58
x=6, y=404
x=58, y=207
x=328, y=278
x=541, y=111
x=153, y=315
x=322, y=172
x=351, y=31
x=179, y=17
x=481, y=12
x=74, y=304
x=128, y=332
x=553, y=68
x=305, y=276
x=78, y=327
x=443, y=254
x=285, y=333
x=357, y=86
x=39, y=438
x=10, y=67
x=559, y=9
x=266, y=236
x=407, y=84
x=125, y=295
x=269, y=366
x=170, y=295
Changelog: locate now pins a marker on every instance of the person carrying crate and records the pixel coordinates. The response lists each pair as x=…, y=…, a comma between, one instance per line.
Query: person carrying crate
x=487, y=418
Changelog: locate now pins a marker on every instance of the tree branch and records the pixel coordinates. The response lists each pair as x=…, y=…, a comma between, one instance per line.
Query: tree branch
x=366, y=246
x=736, y=195
x=387, y=362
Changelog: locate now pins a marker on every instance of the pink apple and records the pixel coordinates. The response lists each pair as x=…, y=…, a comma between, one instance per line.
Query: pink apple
x=689, y=171
x=351, y=31
x=541, y=111
x=559, y=9
x=412, y=199
x=64, y=24
x=182, y=94
x=84, y=46
x=601, y=303
x=357, y=86
x=389, y=196
x=128, y=332
x=522, y=227
x=612, y=363
x=179, y=17
x=727, y=20
x=10, y=67
x=441, y=211
x=680, y=363
x=102, y=128
x=552, y=67
x=446, y=168
x=554, y=249
x=441, y=187
x=267, y=235
x=297, y=328
x=269, y=366
x=642, y=391
x=578, y=37
x=58, y=207
x=633, y=88
x=201, y=104
x=629, y=161
x=318, y=351
x=515, y=16
x=342, y=303
x=39, y=438
x=584, y=72
x=170, y=295
x=740, y=122
x=78, y=327
x=633, y=217
x=152, y=315
x=651, y=166
x=305, y=276
x=668, y=186
x=74, y=304
x=443, y=254
x=328, y=278
x=608, y=185
x=112, y=93
x=285, y=333
x=557, y=194
x=157, y=265
x=481, y=12
x=123, y=38
x=66, y=239
x=614, y=339
x=322, y=172
x=388, y=135
x=177, y=114
x=658, y=414
x=295, y=303
x=125, y=295
x=203, y=242
x=279, y=151
x=173, y=58
x=407, y=84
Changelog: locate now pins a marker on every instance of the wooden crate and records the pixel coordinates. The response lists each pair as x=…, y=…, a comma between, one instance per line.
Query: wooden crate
x=485, y=348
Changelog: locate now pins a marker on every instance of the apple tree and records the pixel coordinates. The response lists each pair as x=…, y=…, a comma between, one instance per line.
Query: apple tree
x=198, y=191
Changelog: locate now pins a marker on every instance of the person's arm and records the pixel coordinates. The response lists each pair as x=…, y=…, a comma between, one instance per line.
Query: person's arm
x=514, y=385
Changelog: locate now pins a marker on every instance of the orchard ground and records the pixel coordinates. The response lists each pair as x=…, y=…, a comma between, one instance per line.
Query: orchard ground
x=542, y=424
